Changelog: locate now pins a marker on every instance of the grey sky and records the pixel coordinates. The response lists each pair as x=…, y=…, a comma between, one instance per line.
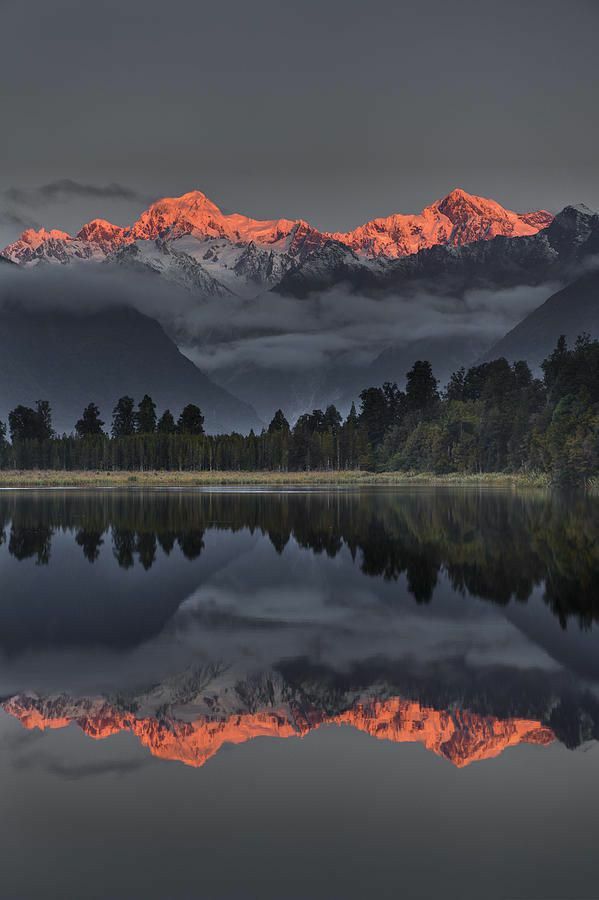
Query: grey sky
x=333, y=111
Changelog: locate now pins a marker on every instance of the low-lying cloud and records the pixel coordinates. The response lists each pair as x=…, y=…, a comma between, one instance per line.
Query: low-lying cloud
x=282, y=332
x=275, y=332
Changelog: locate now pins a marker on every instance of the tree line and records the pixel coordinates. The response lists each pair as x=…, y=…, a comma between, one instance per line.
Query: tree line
x=493, y=417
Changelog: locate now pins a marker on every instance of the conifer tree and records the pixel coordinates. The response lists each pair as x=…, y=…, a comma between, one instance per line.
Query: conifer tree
x=278, y=423
x=191, y=420
x=44, y=418
x=90, y=423
x=145, y=417
x=421, y=387
x=123, y=418
x=27, y=424
x=166, y=423
x=3, y=445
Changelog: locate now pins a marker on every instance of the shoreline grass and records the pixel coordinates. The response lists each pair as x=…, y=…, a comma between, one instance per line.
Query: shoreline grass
x=353, y=478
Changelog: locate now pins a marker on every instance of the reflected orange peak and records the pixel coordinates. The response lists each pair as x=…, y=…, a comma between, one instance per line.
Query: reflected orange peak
x=460, y=737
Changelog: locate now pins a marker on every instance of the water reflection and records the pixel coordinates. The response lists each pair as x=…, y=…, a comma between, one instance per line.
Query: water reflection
x=495, y=545
x=460, y=737
x=461, y=620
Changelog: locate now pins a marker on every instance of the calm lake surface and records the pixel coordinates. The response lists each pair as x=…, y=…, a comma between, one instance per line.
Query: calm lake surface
x=369, y=693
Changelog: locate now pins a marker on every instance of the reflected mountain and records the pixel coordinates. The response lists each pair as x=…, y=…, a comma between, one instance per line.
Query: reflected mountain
x=190, y=717
x=194, y=737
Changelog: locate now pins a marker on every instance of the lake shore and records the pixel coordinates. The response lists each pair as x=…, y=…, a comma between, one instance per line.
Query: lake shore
x=55, y=479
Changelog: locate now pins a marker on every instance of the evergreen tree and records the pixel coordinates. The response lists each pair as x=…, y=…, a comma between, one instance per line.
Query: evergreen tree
x=421, y=387
x=455, y=385
x=44, y=417
x=90, y=424
x=166, y=423
x=145, y=417
x=3, y=446
x=28, y=424
x=123, y=418
x=191, y=420
x=278, y=423
x=22, y=424
x=374, y=414
x=332, y=419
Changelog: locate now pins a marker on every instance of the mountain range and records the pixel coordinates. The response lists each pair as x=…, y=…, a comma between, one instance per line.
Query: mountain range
x=195, y=730
x=192, y=242
x=457, y=245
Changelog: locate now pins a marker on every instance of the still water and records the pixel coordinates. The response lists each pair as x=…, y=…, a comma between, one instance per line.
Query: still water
x=365, y=693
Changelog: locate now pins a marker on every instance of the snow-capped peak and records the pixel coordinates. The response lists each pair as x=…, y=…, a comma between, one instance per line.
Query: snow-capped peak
x=459, y=218
x=34, y=238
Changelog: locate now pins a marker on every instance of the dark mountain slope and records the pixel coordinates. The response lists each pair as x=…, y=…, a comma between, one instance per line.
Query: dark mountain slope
x=72, y=359
x=571, y=311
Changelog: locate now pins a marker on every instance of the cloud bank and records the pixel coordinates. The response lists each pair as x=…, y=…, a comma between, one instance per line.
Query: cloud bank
x=281, y=332
x=274, y=332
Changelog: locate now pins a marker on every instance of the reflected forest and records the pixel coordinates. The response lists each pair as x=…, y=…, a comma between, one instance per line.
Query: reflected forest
x=494, y=546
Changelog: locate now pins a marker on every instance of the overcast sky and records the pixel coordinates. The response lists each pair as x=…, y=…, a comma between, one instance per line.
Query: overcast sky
x=332, y=110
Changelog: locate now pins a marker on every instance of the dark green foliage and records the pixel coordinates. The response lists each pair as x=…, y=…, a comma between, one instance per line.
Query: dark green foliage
x=421, y=387
x=4, y=449
x=145, y=417
x=44, y=415
x=90, y=423
x=279, y=423
x=124, y=418
x=191, y=421
x=380, y=410
x=332, y=419
x=28, y=424
x=166, y=423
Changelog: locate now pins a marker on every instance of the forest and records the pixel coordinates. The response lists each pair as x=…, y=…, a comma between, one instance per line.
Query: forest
x=493, y=417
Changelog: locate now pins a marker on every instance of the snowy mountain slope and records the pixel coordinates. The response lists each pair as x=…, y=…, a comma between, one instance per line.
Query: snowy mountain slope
x=171, y=262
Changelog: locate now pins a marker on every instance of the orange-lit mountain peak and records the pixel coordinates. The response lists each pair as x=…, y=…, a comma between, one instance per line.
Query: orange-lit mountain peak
x=459, y=218
x=175, y=216
x=459, y=195
x=459, y=206
x=103, y=234
x=192, y=201
x=99, y=226
x=194, y=213
x=35, y=238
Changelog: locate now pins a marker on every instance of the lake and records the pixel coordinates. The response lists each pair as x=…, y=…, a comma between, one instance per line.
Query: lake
x=299, y=694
